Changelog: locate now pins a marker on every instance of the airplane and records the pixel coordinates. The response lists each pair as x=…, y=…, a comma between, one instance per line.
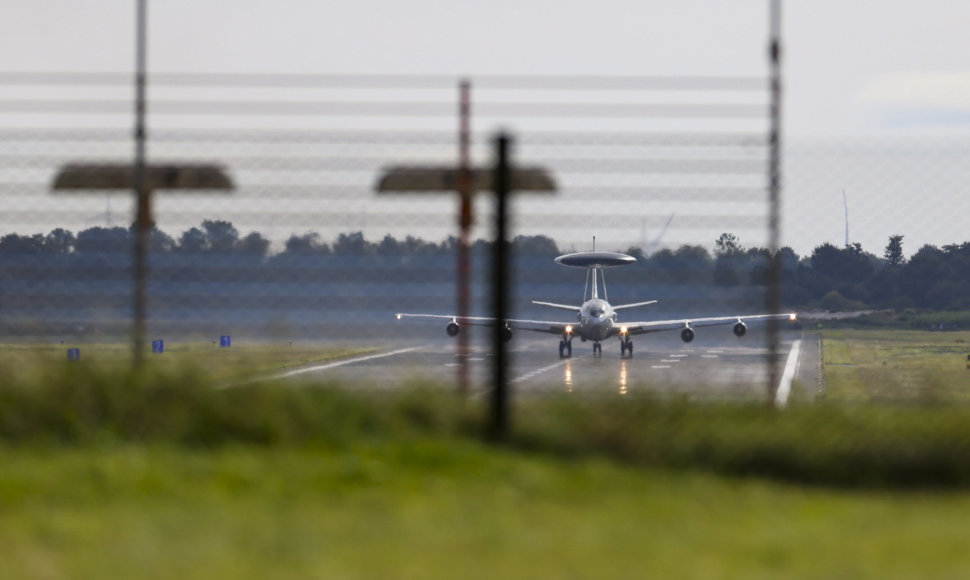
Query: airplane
x=596, y=318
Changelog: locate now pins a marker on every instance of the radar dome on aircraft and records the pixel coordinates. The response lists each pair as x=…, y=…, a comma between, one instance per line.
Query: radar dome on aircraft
x=595, y=259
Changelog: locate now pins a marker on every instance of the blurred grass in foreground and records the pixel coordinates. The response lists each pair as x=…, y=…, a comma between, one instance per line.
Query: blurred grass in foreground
x=156, y=474
x=431, y=507
x=827, y=443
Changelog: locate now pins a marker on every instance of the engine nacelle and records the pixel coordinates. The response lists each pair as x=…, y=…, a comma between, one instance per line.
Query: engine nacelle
x=687, y=334
x=452, y=329
x=740, y=329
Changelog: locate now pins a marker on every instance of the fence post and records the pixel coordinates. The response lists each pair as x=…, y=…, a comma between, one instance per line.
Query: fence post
x=499, y=423
x=143, y=195
x=773, y=298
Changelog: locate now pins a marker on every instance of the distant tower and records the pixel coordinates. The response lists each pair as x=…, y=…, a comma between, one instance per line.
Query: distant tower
x=845, y=203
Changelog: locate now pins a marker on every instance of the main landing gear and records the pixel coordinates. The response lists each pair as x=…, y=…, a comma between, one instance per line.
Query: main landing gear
x=565, y=348
x=626, y=346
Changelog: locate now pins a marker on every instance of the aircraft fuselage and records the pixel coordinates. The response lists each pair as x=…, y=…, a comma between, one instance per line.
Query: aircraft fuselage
x=597, y=320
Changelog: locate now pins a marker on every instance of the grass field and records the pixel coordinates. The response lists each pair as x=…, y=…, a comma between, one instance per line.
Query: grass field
x=896, y=366
x=236, y=362
x=111, y=473
x=432, y=508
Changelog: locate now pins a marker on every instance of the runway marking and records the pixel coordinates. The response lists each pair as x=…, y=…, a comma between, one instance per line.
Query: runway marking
x=660, y=366
x=679, y=356
x=537, y=372
x=715, y=351
x=784, y=386
x=708, y=356
x=670, y=360
x=331, y=365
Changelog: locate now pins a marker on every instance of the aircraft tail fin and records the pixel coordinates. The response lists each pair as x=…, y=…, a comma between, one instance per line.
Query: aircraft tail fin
x=560, y=306
x=634, y=305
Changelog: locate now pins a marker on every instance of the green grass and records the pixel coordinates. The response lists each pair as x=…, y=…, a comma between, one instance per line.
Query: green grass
x=445, y=508
x=237, y=362
x=107, y=472
x=897, y=366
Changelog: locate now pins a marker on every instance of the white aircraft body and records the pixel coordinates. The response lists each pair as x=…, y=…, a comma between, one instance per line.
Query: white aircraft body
x=596, y=319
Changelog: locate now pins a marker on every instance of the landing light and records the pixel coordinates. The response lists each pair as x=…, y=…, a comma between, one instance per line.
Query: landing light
x=398, y=316
x=792, y=316
x=623, y=330
x=569, y=329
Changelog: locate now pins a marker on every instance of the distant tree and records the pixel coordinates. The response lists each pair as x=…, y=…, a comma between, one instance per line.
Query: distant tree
x=159, y=242
x=921, y=272
x=729, y=260
x=727, y=245
x=535, y=246
x=788, y=258
x=389, y=246
x=894, y=250
x=193, y=241
x=17, y=244
x=59, y=241
x=254, y=244
x=98, y=240
x=305, y=245
x=221, y=236
x=352, y=244
x=849, y=265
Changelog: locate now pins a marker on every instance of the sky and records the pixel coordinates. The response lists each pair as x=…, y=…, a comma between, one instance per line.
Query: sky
x=866, y=82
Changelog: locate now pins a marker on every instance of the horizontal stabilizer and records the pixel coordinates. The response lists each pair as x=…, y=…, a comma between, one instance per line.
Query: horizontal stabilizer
x=560, y=306
x=634, y=305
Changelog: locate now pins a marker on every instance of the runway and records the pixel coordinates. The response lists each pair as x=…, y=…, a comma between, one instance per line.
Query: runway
x=710, y=368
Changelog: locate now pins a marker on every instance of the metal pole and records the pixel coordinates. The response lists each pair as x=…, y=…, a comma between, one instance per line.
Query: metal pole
x=499, y=412
x=465, y=188
x=773, y=297
x=143, y=219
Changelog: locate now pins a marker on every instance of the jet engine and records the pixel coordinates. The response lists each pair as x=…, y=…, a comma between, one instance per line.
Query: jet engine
x=452, y=329
x=740, y=329
x=687, y=334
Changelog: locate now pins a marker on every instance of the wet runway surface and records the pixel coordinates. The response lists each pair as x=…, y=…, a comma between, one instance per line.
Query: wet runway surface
x=728, y=368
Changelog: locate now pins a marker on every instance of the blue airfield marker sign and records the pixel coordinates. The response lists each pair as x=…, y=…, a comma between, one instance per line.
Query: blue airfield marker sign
x=158, y=346
x=225, y=341
x=73, y=354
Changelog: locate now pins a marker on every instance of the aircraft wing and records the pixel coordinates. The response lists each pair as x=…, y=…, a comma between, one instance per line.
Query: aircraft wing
x=546, y=326
x=661, y=325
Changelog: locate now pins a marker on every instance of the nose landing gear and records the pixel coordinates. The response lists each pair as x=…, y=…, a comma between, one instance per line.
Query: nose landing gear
x=565, y=348
x=597, y=349
x=625, y=347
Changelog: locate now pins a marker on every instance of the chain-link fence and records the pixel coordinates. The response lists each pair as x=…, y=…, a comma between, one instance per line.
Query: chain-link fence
x=312, y=209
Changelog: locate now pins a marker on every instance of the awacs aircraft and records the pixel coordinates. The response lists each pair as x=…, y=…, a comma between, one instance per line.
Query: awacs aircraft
x=596, y=319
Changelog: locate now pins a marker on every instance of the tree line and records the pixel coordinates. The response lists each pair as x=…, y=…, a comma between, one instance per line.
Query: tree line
x=831, y=277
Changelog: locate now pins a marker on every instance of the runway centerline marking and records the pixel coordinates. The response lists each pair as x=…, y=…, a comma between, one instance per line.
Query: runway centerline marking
x=537, y=372
x=660, y=366
x=324, y=367
x=784, y=386
x=670, y=360
x=348, y=361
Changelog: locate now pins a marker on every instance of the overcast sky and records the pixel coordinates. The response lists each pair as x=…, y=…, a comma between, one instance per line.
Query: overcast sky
x=893, y=69
x=850, y=66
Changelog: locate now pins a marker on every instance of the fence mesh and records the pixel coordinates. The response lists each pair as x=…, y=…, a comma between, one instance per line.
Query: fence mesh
x=671, y=171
